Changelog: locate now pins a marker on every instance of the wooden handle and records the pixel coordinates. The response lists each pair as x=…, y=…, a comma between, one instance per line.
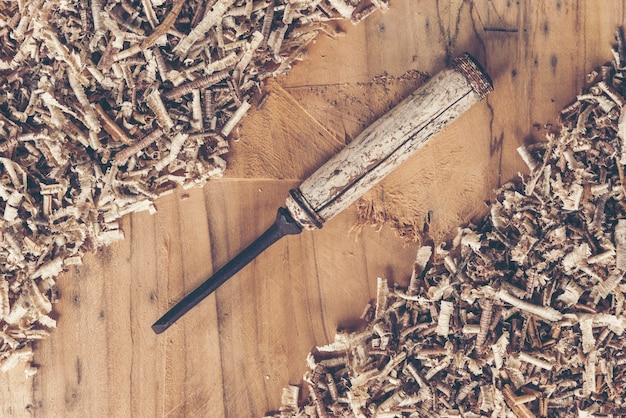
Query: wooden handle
x=388, y=142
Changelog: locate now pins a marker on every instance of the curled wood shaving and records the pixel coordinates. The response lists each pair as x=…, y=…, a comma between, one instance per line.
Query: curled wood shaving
x=107, y=105
x=524, y=315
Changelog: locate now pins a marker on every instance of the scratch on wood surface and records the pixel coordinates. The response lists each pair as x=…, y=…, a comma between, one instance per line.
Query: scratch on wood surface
x=493, y=29
x=450, y=32
x=174, y=411
x=489, y=24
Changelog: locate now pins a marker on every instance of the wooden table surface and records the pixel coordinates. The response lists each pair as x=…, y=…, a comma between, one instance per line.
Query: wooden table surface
x=232, y=354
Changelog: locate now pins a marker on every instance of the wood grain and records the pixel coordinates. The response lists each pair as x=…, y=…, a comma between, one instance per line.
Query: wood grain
x=230, y=356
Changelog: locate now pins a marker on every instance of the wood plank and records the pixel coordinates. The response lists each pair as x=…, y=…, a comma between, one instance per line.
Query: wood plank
x=193, y=367
x=231, y=355
x=16, y=397
x=79, y=387
x=290, y=298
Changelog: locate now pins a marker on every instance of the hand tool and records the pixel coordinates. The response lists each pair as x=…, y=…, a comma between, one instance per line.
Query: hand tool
x=376, y=152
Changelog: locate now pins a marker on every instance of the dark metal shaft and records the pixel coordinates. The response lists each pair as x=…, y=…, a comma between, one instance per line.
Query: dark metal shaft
x=284, y=225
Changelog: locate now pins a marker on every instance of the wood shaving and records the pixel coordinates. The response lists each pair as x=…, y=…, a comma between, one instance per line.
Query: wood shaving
x=523, y=316
x=107, y=105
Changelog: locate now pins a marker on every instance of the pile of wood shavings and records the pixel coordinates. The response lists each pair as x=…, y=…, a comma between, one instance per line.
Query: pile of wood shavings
x=524, y=315
x=108, y=104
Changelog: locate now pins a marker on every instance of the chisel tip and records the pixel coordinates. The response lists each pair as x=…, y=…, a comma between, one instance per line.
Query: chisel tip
x=158, y=327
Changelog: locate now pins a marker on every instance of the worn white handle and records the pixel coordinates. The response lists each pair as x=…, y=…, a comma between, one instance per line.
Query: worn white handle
x=388, y=142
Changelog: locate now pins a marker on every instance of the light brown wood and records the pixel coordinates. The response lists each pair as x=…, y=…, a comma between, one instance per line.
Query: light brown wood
x=231, y=355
